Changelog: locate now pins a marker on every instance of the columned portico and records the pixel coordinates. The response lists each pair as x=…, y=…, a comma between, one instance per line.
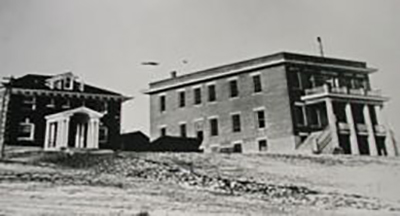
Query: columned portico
x=76, y=128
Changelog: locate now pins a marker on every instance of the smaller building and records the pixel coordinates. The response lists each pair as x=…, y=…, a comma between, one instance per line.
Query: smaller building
x=176, y=144
x=135, y=141
x=59, y=111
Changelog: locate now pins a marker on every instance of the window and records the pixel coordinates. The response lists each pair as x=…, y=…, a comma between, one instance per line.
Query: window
x=182, y=128
x=197, y=96
x=236, y=127
x=162, y=103
x=233, y=87
x=26, y=130
x=52, y=134
x=181, y=99
x=29, y=103
x=103, y=134
x=211, y=93
x=237, y=148
x=103, y=106
x=257, y=83
x=214, y=127
x=163, y=131
x=262, y=145
x=66, y=104
x=260, y=118
x=52, y=103
x=299, y=114
x=68, y=84
x=198, y=127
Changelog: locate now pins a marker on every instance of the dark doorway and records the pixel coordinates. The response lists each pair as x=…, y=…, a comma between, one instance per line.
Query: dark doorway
x=344, y=142
x=380, y=145
x=363, y=145
x=78, y=119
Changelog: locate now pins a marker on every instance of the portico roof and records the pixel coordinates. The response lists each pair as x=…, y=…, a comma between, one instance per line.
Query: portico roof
x=68, y=113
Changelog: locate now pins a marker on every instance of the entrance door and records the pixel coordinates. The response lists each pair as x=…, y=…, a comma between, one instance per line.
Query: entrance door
x=77, y=137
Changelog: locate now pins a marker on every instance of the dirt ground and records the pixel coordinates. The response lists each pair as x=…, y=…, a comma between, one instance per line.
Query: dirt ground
x=345, y=185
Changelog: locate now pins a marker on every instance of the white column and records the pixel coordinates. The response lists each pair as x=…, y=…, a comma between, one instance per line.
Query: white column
x=332, y=122
x=47, y=136
x=90, y=134
x=353, y=132
x=77, y=136
x=95, y=133
x=59, y=134
x=371, y=133
x=66, y=132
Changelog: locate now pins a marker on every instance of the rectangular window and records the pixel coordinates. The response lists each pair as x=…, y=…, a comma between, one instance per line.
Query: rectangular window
x=68, y=83
x=182, y=128
x=29, y=103
x=260, y=119
x=197, y=95
x=233, y=88
x=26, y=130
x=52, y=103
x=162, y=103
x=103, y=134
x=214, y=127
x=257, y=83
x=211, y=93
x=237, y=148
x=163, y=131
x=52, y=134
x=299, y=115
x=262, y=145
x=236, y=127
x=66, y=104
x=182, y=101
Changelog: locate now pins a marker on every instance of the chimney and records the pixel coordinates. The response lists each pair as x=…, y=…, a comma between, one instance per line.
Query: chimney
x=173, y=74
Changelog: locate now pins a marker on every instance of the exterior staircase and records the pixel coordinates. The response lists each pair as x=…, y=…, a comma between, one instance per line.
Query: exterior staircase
x=318, y=142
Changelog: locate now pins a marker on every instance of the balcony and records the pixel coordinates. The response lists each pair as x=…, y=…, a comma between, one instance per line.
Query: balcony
x=342, y=92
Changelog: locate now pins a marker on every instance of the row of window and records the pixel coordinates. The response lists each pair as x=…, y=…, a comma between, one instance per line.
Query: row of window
x=214, y=125
x=29, y=103
x=211, y=92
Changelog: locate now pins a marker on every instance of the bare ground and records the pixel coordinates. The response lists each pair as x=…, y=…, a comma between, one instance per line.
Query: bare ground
x=198, y=184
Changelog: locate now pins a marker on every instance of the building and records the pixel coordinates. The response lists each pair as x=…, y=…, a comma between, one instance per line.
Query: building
x=283, y=103
x=59, y=111
x=134, y=141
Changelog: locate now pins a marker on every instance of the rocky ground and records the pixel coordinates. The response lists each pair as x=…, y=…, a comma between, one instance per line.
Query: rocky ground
x=172, y=184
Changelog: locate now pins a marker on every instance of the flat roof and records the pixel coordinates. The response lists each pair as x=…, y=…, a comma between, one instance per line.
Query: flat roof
x=256, y=63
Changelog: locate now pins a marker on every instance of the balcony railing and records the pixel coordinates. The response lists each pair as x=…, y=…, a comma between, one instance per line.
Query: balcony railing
x=342, y=90
x=343, y=126
x=380, y=129
x=362, y=128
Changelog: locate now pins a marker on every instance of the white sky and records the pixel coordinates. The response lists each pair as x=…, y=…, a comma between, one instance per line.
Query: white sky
x=104, y=42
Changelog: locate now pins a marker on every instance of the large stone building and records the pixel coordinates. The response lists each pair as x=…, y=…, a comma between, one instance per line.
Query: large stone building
x=284, y=102
x=58, y=111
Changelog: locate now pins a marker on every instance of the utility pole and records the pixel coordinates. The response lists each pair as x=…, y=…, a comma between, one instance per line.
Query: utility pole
x=5, y=98
x=320, y=46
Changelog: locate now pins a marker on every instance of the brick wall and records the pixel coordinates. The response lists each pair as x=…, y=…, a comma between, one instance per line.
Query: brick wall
x=274, y=99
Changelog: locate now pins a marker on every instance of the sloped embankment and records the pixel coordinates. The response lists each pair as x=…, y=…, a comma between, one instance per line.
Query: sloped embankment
x=92, y=169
